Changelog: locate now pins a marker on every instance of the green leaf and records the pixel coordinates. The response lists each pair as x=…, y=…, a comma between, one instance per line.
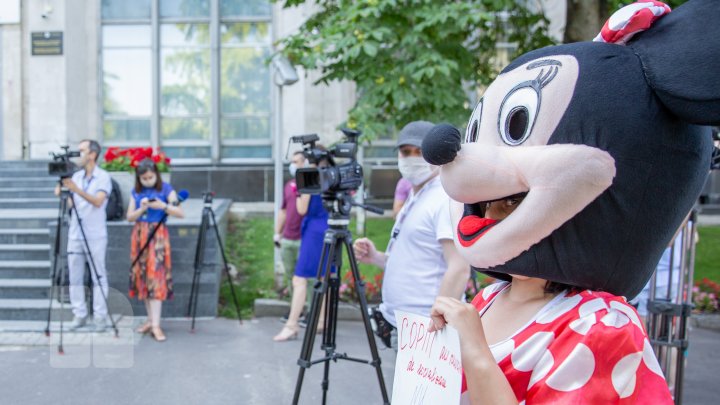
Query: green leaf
x=410, y=60
x=370, y=49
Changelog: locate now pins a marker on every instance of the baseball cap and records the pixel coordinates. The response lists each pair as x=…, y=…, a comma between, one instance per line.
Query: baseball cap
x=414, y=133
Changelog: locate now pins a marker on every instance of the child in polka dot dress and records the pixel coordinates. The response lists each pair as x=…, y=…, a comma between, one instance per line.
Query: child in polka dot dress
x=579, y=163
x=580, y=347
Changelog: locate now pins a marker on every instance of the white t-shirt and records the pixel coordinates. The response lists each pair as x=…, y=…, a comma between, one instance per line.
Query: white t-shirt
x=94, y=219
x=416, y=265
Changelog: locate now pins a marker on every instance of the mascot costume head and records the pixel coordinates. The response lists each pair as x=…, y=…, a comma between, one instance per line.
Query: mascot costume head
x=605, y=140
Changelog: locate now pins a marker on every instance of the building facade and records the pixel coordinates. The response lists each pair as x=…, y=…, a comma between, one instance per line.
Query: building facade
x=188, y=76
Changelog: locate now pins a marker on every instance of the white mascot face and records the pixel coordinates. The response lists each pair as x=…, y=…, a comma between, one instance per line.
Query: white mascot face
x=506, y=153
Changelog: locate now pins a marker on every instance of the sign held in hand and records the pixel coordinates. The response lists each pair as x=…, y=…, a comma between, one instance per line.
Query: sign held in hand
x=427, y=369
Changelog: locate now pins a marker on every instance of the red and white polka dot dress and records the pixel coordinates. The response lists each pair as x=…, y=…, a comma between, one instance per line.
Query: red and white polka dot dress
x=588, y=347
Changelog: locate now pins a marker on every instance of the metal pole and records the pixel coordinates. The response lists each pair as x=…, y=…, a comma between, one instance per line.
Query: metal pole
x=278, y=173
x=360, y=197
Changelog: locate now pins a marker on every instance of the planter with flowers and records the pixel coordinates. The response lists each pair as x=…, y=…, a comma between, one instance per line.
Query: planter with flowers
x=706, y=297
x=348, y=290
x=121, y=164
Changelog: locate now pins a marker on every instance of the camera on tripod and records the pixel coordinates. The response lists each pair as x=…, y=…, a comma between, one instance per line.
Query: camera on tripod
x=61, y=165
x=208, y=198
x=334, y=177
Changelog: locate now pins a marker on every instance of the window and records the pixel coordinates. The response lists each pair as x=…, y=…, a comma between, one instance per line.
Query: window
x=188, y=76
x=127, y=83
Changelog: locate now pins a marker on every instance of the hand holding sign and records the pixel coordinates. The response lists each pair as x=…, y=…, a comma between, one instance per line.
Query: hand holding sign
x=427, y=369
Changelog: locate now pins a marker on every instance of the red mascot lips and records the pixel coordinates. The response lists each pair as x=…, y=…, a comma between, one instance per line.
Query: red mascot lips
x=472, y=227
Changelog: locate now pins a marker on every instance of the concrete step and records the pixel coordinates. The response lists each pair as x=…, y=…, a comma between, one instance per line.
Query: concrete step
x=25, y=192
x=25, y=269
x=14, y=309
x=33, y=288
x=16, y=173
x=34, y=218
x=27, y=326
x=24, y=164
x=24, y=236
x=30, y=182
x=25, y=252
x=710, y=209
x=15, y=203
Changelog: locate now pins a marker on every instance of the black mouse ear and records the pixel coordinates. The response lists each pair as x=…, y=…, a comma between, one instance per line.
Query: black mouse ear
x=680, y=55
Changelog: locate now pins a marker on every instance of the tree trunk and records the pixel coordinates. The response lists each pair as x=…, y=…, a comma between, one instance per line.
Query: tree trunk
x=584, y=20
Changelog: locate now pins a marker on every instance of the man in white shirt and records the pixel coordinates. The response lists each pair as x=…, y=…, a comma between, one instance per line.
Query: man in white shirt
x=420, y=261
x=89, y=188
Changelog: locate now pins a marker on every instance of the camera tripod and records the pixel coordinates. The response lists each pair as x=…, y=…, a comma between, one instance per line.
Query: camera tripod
x=328, y=283
x=208, y=215
x=63, y=210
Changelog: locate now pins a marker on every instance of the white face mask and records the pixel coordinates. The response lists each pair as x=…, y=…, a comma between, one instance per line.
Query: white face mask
x=148, y=184
x=415, y=169
x=292, y=169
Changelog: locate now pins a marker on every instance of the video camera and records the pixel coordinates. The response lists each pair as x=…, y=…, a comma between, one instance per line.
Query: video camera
x=61, y=165
x=334, y=177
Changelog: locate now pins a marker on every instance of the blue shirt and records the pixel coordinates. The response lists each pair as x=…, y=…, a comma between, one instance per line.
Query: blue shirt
x=94, y=219
x=152, y=214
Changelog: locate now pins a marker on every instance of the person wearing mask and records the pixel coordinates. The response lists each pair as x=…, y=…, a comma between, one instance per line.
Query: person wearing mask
x=89, y=188
x=420, y=261
x=151, y=277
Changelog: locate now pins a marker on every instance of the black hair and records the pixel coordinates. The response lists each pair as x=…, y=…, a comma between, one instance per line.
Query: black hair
x=94, y=146
x=147, y=165
x=552, y=287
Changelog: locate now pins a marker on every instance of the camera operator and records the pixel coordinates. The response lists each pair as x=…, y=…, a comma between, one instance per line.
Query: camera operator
x=90, y=187
x=420, y=261
x=287, y=230
x=312, y=233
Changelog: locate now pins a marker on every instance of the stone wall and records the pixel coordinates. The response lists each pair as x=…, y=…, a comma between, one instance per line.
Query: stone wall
x=183, y=238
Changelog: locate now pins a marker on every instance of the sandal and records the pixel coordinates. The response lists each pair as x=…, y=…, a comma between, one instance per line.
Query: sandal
x=144, y=328
x=288, y=332
x=158, y=334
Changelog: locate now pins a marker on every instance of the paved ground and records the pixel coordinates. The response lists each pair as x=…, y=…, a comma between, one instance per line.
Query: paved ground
x=221, y=363
x=225, y=363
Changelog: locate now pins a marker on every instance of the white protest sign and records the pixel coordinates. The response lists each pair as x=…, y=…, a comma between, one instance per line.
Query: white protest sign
x=428, y=369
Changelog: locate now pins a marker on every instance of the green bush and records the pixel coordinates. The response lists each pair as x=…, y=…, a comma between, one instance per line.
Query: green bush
x=707, y=254
x=250, y=249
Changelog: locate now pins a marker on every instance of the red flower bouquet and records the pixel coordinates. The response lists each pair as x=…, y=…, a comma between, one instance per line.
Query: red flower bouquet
x=126, y=160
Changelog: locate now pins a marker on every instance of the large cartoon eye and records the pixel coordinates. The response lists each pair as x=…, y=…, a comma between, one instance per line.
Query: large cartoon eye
x=517, y=114
x=473, y=126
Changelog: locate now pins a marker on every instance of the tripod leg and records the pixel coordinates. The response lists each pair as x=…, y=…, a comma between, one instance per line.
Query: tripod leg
x=366, y=319
x=199, y=259
x=56, y=258
x=331, y=312
x=94, y=270
x=318, y=293
x=225, y=265
x=196, y=262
